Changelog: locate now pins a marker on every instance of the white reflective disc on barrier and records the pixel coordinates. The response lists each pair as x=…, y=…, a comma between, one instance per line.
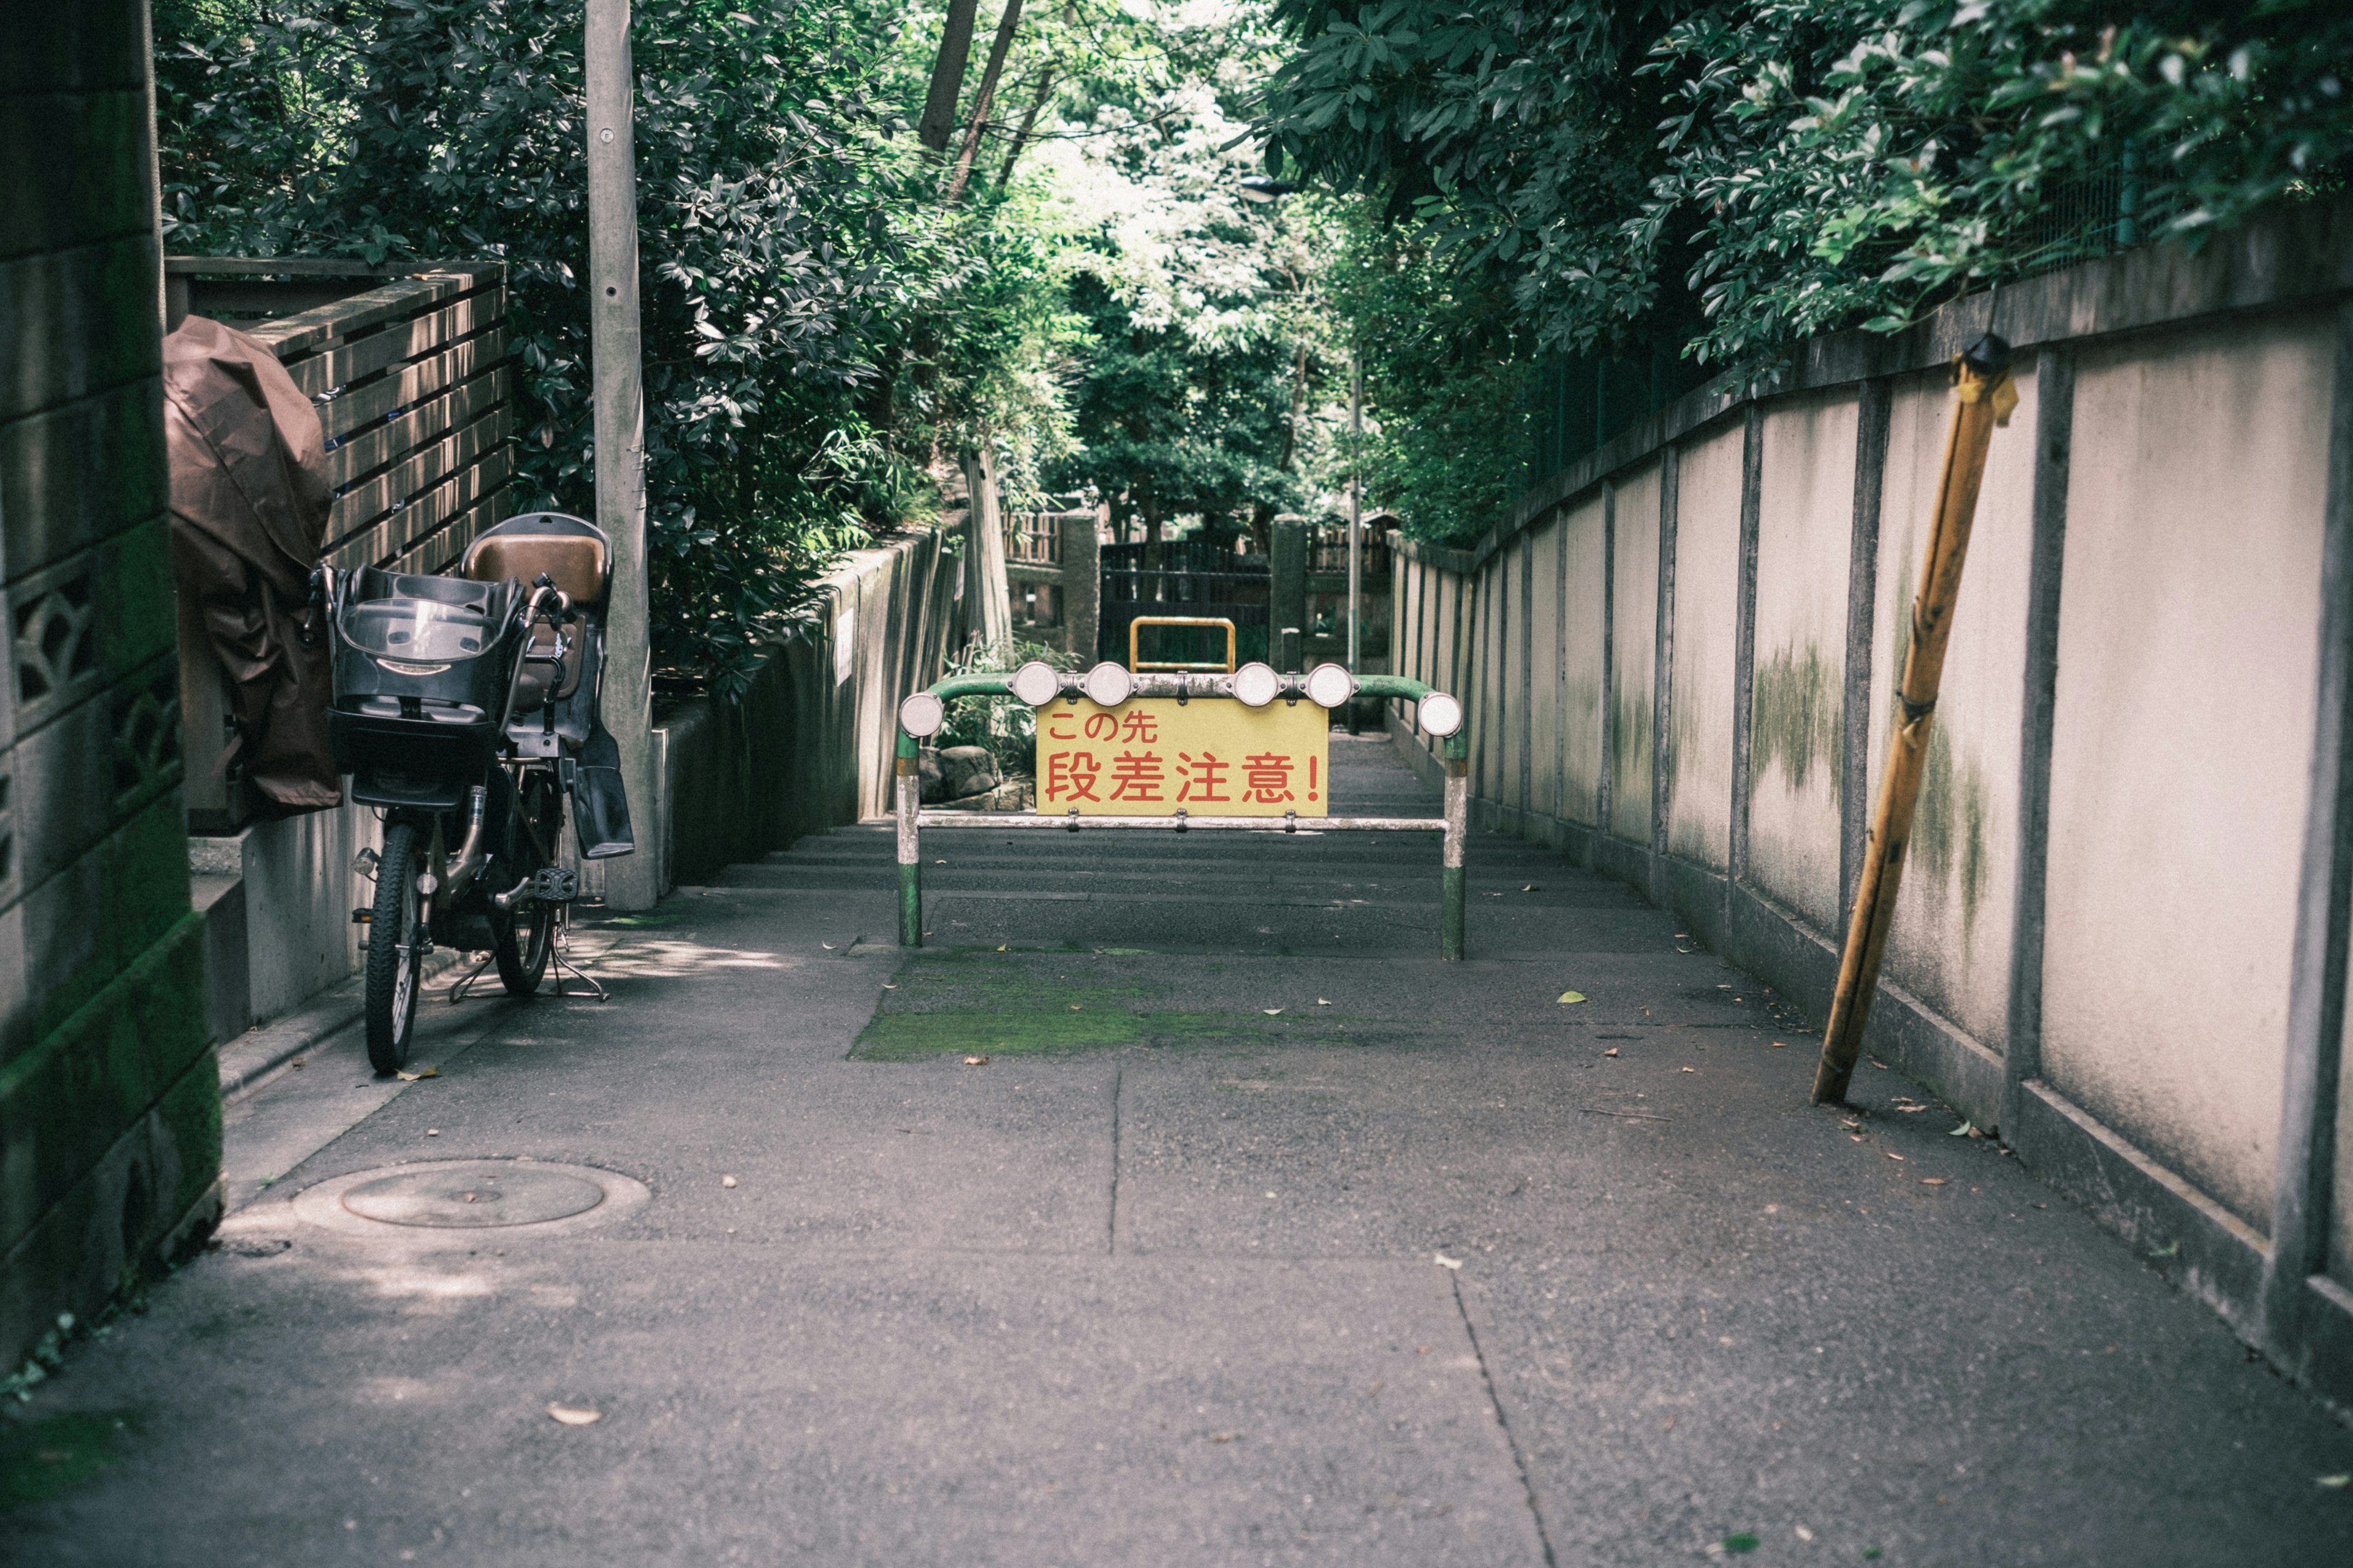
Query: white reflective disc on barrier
x=1440, y=714
x=1256, y=685
x=1330, y=685
x=1108, y=685
x=1036, y=683
x=922, y=714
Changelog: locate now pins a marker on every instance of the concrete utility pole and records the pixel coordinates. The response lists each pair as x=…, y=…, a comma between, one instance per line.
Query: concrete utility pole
x=631, y=881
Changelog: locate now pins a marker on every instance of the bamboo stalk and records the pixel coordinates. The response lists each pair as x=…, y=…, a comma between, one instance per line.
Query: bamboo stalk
x=1983, y=396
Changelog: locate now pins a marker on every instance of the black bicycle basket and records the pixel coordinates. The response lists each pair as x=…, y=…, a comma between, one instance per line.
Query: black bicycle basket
x=423, y=666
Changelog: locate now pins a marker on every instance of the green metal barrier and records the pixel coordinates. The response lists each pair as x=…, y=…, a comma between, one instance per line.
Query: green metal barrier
x=1110, y=684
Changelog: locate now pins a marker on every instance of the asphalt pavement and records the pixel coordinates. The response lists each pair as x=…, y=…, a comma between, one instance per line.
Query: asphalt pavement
x=1174, y=1205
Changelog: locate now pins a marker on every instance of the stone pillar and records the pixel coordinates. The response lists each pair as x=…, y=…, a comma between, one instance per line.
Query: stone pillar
x=1287, y=593
x=109, y=1100
x=1082, y=585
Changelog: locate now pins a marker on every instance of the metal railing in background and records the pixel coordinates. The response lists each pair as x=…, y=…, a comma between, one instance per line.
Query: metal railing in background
x=1137, y=662
x=1033, y=539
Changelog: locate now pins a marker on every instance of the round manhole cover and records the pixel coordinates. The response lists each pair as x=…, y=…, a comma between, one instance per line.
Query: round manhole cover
x=467, y=1196
x=470, y=1195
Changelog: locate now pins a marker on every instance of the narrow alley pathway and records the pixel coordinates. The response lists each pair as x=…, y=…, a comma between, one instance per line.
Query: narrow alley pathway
x=1261, y=1236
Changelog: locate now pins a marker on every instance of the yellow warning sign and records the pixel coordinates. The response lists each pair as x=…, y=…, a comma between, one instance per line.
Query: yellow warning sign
x=1154, y=756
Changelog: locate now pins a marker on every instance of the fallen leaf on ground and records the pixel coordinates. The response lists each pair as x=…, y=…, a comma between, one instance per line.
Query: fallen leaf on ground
x=1880, y=1065
x=888, y=986
x=1932, y=1181
x=1445, y=1262
x=1074, y=1006
x=433, y=1132
x=2334, y=1483
x=827, y=945
x=1781, y=1044
x=1529, y=888
x=1854, y=1137
x=1222, y=1436
x=1002, y=946
x=1743, y=1541
x=572, y=1415
x=1321, y=1002
x=1804, y=1534
x=1571, y=998
x=976, y=1061
x=1610, y=1052
x=1691, y=1069
x=1270, y=1011
x=1963, y=1130
x=726, y=1180
x=421, y=1072
x=1890, y=1154
x=1850, y=1126
x=296, y=1062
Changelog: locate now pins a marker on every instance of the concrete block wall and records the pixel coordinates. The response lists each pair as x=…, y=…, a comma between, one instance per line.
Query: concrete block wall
x=109, y=1100
x=2127, y=917
x=810, y=745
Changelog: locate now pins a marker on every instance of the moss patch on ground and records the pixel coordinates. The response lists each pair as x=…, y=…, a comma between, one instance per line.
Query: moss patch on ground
x=47, y=1456
x=981, y=1001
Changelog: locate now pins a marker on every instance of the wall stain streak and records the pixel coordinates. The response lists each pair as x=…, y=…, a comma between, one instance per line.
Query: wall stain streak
x=1630, y=755
x=1794, y=714
x=1951, y=824
x=1950, y=827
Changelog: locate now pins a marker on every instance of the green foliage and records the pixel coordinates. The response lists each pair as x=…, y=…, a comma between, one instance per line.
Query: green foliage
x=1005, y=725
x=1443, y=370
x=812, y=319
x=1208, y=333
x=1801, y=164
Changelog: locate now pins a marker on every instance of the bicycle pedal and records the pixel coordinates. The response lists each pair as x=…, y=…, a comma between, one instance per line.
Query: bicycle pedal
x=555, y=885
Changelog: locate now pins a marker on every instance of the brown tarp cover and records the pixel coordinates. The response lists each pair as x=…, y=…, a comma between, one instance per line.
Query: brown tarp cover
x=249, y=504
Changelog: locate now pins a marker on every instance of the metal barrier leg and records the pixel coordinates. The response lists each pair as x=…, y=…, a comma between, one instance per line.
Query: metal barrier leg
x=1458, y=813
x=911, y=846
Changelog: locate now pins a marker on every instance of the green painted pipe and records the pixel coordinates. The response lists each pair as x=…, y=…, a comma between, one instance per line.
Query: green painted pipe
x=1398, y=686
x=910, y=905
x=955, y=686
x=908, y=784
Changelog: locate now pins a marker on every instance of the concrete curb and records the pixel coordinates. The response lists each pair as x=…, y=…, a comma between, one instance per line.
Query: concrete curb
x=259, y=1052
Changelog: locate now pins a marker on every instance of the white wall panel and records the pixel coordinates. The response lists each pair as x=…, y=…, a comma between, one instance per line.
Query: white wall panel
x=1707, y=597
x=2186, y=662
x=1798, y=698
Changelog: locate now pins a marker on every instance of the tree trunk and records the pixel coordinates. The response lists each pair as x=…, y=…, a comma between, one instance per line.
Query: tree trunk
x=1028, y=121
x=1007, y=26
x=947, y=77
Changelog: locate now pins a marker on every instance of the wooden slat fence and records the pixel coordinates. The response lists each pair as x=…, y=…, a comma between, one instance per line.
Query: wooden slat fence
x=408, y=369
x=410, y=375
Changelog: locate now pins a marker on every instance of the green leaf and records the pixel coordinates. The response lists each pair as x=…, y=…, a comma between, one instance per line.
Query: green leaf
x=1570, y=998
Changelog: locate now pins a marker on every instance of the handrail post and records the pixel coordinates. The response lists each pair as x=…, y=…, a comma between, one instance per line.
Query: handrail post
x=910, y=843
x=1457, y=812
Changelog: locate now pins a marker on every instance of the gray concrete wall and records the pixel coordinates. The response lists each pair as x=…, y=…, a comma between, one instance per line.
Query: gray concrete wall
x=1805, y=535
x=2180, y=760
x=109, y=1100
x=801, y=752
x=2129, y=865
x=1634, y=644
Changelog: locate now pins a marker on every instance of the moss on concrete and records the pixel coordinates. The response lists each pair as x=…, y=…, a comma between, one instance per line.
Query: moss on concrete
x=1794, y=714
x=47, y=1456
x=1630, y=757
x=1950, y=826
x=981, y=1001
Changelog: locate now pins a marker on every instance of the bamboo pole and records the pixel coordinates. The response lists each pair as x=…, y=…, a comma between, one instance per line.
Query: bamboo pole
x=1983, y=396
